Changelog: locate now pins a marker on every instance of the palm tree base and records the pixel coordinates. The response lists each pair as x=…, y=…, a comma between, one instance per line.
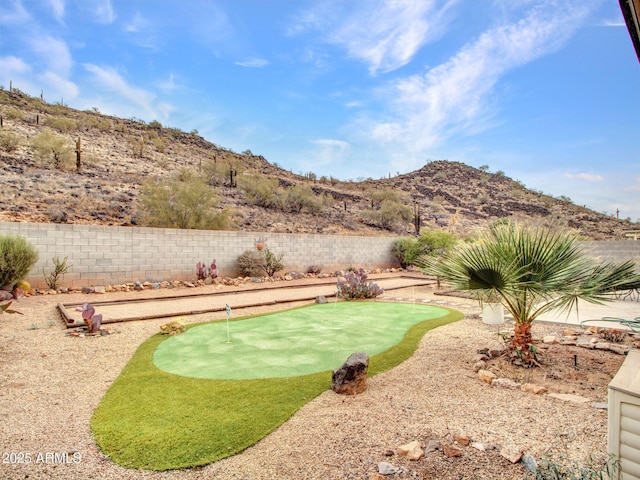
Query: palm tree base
x=522, y=351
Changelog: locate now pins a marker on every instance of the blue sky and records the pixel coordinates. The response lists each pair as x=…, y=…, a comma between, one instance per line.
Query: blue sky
x=546, y=91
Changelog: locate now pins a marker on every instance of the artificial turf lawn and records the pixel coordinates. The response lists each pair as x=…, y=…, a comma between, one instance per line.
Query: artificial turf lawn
x=290, y=343
x=156, y=420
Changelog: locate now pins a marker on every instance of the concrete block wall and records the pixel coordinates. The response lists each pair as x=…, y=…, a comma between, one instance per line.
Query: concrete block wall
x=614, y=251
x=111, y=255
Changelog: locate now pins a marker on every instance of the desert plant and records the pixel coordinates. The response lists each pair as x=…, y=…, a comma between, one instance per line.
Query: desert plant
x=17, y=257
x=203, y=272
x=62, y=124
x=389, y=214
x=249, y=263
x=54, y=278
x=531, y=271
x=434, y=243
x=357, y=286
x=9, y=141
x=52, y=149
x=91, y=320
x=255, y=262
x=272, y=262
x=301, y=197
x=182, y=204
x=137, y=145
x=263, y=192
x=597, y=467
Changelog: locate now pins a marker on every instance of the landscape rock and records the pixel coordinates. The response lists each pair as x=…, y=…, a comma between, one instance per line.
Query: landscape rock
x=549, y=339
x=385, y=468
x=480, y=365
x=600, y=405
x=351, y=377
x=451, y=450
x=511, y=452
x=88, y=290
x=505, y=383
x=486, y=376
x=411, y=450
x=619, y=349
x=462, y=438
x=432, y=446
x=321, y=299
x=533, y=388
x=529, y=463
x=4, y=295
x=173, y=328
x=569, y=397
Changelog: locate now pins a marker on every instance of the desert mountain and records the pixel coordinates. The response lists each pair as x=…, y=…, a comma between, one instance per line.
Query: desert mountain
x=41, y=181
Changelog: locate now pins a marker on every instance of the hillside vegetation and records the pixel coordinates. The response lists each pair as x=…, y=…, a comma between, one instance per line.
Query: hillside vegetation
x=132, y=173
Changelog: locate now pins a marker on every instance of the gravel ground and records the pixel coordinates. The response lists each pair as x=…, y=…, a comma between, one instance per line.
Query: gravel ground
x=51, y=383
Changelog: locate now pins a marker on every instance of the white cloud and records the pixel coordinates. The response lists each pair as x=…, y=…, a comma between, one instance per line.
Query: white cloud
x=253, y=63
x=456, y=96
x=589, y=177
x=103, y=11
x=54, y=53
x=326, y=152
x=112, y=81
x=13, y=64
x=385, y=37
x=168, y=85
x=388, y=36
x=58, y=87
x=57, y=6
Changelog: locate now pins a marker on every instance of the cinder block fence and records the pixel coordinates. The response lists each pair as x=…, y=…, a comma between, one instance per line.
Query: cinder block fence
x=103, y=255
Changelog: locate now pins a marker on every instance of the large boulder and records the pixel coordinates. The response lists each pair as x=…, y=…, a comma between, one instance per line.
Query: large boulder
x=351, y=377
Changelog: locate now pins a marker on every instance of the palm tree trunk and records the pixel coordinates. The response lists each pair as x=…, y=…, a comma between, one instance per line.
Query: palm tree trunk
x=520, y=345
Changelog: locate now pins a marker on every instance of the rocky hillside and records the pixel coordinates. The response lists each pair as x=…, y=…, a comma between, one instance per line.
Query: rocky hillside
x=118, y=156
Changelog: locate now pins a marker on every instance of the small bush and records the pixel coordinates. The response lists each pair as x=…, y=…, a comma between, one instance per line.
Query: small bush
x=389, y=215
x=263, y=192
x=301, y=197
x=13, y=113
x=434, y=243
x=184, y=202
x=357, y=286
x=255, y=263
x=597, y=467
x=54, y=278
x=9, y=141
x=52, y=149
x=62, y=124
x=249, y=264
x=17, y=257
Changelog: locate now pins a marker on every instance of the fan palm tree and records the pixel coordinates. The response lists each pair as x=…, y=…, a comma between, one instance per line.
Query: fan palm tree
x=530, y=271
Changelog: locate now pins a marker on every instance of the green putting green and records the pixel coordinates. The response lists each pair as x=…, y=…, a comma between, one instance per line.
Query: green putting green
x=290, y=343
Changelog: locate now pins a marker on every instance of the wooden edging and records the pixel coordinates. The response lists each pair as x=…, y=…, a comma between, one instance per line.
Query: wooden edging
x=71, y=323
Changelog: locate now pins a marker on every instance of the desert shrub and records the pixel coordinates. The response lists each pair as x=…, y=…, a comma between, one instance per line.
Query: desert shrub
x=52, y=149
x=255, y=262
x=13, y=113
x=62, y=124
x=17, y=256
x=596, y=467
x=249, y=263
x=137, y=145
x=55, y=276
x=301, y=197
x=432, y=243
x=389, y=215
x=272, y=262
x=263, y=192
x=378, y=197
x=9, y=141
x=188, y=203
x=357, y=286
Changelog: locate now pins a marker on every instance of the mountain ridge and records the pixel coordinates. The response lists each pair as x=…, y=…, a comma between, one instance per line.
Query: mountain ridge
x=119, y=155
